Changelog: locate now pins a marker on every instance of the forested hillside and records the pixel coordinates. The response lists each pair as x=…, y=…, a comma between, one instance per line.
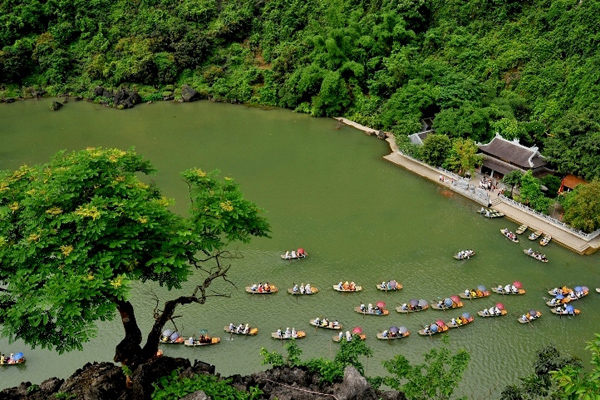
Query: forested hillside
x=529, y=69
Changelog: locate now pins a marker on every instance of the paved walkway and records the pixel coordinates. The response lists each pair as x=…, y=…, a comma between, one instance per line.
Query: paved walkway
x=559, y=234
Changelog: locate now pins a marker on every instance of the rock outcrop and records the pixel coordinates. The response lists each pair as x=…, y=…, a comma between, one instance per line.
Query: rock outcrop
x=188, y=94
x=55, y=106
x=106, y=381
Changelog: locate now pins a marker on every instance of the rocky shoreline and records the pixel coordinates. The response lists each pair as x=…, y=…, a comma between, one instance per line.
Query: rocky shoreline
x=107, y=381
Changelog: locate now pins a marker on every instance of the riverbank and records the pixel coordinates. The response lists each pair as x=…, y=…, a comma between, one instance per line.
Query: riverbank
x=519, y=215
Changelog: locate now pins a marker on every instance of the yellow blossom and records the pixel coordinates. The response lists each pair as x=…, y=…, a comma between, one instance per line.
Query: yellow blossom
x=117, y=282
x=199, y=172
x=66, y=250
x=226, y=206
x=143, y=220
x=14, y=206
x=90, y=277
x=34, y=237
x=88, y=211
x=4, y=186
x=31, y=192
x=54, y=210
x=120, y=178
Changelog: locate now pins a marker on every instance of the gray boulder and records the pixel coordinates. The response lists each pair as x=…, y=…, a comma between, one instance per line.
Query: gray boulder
x=188, y=94
x=355, y=387
x=199, y=395
x=55, y=106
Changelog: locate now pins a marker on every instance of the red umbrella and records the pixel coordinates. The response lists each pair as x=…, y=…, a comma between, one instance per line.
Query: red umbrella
x=500, y=306
x=380, y=304
x=518, y=284
x=440, y=323
x=455, y=299
x=300, y=251
x=357, y=330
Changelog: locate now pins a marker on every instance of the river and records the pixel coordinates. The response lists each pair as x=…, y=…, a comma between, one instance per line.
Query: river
x=359, y=217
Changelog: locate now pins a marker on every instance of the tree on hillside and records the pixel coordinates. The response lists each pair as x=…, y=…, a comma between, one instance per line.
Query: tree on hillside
x=539, y=383
x=573, y=383
x=435, y=379
x=582, y=207
x=532, y=195
x=512, y=180
x=77, y=231
x=463, y=156
x=435, y=149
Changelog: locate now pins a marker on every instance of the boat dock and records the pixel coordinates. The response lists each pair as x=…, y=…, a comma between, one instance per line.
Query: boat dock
x=562, y=235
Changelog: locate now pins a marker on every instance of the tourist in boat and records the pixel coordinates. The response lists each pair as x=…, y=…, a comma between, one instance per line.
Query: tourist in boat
x=302, y=288
x=254, y=287
x=524, y=318
x=287, y=255
x=340, y=286
x=294, y=333
x=293, y=255
x=340, y=336
x=352, y=286
x=317, y=321
x=384, y=285
x=513, y=289
x=325, y=322
x=370, y=308
x=287, y=332
x=279, y=333
x=240, y=328
x=363, y=308
x=308, y=289
x=295, y=288
x=231, y=327
x=247, y=329
x=404, y=306
x=507, y=288
x=384, y=334
x=348, y=336
x=485, y=312
x=335, y=323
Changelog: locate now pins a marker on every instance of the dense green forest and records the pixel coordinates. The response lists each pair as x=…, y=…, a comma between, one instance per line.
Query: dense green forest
x=529, y=69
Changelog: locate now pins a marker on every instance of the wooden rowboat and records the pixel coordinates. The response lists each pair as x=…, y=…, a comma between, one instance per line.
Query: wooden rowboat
x=386, y=289
x=196, y=343
x=502, y=313
x=545, y=240
x=529, y=319
x=466, y=254
x=330, y=325
x=398, y=336
x=383, y=312
x=487, y=293
x=9, y=364
x=295, y=257
x=521, y=229
x=576, y=311
x=403, y=311
x=336, y=338
x=502, y=292
x=356, y=289
x=455, y=325
x=252, y=332
x=535, y=235
x=490, y=213
x=443, y=329
x=299, y=335
x=273, y=290
x=536, y=255
x=313, y=290
x=509, y=235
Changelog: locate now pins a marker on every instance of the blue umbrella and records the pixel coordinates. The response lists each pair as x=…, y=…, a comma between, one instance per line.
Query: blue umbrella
x=481, y=287
x=167, y=333
x=433, y=328
x=448, y=302
x=394, y=329
x=569, y=309
x=403, y=330
x=466, y=315
x=174, y=336
x=559, y=296
x=18, y=356
x=578, y=289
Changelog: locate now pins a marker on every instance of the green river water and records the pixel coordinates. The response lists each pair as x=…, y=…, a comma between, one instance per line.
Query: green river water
x=359, y=217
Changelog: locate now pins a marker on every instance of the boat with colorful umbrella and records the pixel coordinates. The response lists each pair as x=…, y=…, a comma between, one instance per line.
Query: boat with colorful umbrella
x=413, y=305
x=12, y=359
x=578, y=292
x=171, y=337
x=389, y=286
x=496, y=311
x=567, y=310
x=464, y=319
x=438, y=327
x=448, y=303
x=357, y=332
x=378, y=310
x=393, y=333
x=478, y=293
x=532, y=315
x=516, y=289
x=295, y=254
